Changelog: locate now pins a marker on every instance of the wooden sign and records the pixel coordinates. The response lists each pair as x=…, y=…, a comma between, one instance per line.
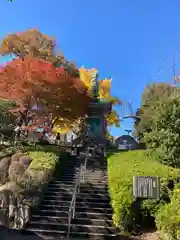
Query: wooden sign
x=146, y=187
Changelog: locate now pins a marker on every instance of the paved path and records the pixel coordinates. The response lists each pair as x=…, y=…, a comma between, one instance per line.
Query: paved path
x=6, y=234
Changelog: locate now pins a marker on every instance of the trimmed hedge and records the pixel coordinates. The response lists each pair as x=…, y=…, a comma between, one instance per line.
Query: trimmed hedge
x=28, y=174
x=168, y=217
x=129, y=213
x=36, y=176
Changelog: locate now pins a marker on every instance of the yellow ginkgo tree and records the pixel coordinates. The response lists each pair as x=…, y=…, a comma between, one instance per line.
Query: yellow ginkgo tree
x=65, y=125
x=105, y=86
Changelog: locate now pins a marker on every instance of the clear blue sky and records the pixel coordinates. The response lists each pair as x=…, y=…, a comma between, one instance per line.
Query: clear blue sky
x=132, y=41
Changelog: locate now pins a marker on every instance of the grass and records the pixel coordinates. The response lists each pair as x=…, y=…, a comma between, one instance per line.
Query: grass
x=125, y=165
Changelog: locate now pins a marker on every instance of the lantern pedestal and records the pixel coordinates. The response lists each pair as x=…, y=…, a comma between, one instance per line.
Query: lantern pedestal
x=96, y=122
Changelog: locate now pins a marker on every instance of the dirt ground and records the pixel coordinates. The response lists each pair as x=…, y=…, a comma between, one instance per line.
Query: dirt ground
x=147, y=236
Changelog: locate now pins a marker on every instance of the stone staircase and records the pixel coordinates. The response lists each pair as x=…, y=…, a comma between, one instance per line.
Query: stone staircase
x=93, y=217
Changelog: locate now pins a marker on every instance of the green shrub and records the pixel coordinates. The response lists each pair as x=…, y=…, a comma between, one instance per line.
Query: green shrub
x=30, y=172
x=168, y=217
x=129, y=213
x=36, y=177
x=42, y=160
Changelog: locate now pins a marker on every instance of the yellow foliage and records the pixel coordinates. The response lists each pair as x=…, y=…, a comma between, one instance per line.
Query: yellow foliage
x=113, y=118
x=61, y=125
x=104, y=93
x=104, y=84
x=64, y=125
x=60, y=129
x=86, y=76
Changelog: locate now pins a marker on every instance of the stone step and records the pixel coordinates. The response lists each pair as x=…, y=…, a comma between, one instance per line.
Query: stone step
x=86, y=221
x=71, y=169
x=95, y=189
x=68, y=179
x=96, y=167
x=95, y=180
x=69, y=197
x=95, y=176
x=91, y=177
x=61, y=190
x=44, y=233
x=65, y=181
x=90, y=185
x=69, y=174
x=72, y=164
x=90, y=170
x=82, y=190
x=90, y=173
x=54, y=234
x=91, y=165
x=96, y=171
x=70, y=183
x=78, y=209
x=79, y=203
x=89, y=214
x=61, y=183
x=74, y=227
x=79, y=195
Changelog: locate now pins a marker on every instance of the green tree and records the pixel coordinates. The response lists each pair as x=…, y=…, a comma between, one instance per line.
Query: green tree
x=165, y=129
x=7, y=119
x=34, y=43
x=151, y=96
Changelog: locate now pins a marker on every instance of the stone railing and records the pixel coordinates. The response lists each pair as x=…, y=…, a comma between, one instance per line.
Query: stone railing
x=13, y=213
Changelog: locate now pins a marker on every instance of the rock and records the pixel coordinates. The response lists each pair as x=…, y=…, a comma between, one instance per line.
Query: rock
x=5, y=162
x=16, y=157
x=21, y=217
x=4, y=166
x=16, y=170
x=25, y=160
x=4, y=220
x=8, y=186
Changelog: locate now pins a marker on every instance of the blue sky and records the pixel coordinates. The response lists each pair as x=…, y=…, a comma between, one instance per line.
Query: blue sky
x=132, y=41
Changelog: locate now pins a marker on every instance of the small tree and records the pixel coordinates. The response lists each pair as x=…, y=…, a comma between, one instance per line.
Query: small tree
x=165, y=130
x=151, y=96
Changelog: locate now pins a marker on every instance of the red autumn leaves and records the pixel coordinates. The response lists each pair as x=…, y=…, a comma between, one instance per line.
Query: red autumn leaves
x=30, y=81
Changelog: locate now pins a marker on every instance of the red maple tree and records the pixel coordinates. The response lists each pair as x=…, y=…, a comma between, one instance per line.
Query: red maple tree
x=32, y=81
